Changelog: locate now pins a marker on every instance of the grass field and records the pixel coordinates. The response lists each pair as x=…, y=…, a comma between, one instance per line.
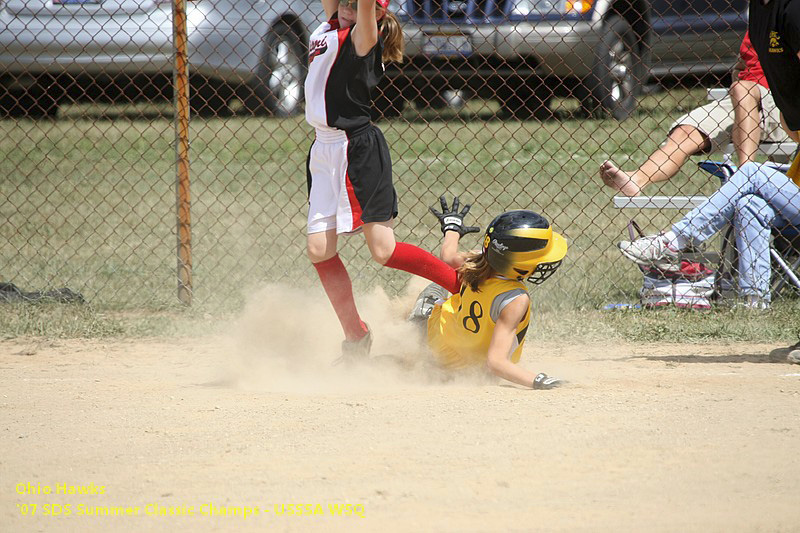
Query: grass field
x=87, y=201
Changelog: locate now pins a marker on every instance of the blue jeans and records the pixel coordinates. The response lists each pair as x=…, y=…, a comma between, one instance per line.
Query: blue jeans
x=755, y=199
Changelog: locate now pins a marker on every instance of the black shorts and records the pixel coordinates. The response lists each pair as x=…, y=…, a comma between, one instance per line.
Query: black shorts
x=349, y=180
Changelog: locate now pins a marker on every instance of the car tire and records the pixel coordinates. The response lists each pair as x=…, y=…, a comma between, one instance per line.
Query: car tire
x=525, y=98
x=617, y=71
x=278, y=86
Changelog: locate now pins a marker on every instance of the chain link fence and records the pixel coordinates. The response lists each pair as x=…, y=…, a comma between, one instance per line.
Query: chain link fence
x=506, y=103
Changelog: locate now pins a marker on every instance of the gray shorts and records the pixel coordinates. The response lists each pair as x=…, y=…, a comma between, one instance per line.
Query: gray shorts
x=715, y=121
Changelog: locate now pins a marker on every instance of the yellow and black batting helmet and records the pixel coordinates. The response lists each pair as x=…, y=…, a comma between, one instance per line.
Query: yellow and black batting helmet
x=522, y=245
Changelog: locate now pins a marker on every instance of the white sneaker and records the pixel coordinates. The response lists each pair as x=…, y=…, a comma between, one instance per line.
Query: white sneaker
x=752, y=301
x=651, y=251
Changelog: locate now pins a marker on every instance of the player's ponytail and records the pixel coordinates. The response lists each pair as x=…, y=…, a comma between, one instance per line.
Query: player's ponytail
x=475, y=270
x=392, y=33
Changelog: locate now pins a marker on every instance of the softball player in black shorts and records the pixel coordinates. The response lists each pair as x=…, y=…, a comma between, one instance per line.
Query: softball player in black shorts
x=349, y=169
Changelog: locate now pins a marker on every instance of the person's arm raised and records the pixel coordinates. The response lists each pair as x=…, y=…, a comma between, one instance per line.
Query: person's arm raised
x=453, y=228
x=365, y=32
x=449, y=252
x=330, y=7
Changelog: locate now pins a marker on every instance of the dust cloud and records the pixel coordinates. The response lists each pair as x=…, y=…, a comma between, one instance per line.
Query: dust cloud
x=288, y=338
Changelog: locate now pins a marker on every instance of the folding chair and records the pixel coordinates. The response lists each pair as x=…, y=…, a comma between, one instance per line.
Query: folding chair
x=784, y=248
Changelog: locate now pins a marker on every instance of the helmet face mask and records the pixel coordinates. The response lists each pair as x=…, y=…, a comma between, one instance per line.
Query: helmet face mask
x=543, y=271
x=522, y=245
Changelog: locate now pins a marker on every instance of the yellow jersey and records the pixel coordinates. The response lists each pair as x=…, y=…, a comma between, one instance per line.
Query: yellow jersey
x=794, y=170
x=460, y=329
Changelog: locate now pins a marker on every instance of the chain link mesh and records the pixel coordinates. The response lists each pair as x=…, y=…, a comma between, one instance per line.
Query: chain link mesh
x=508, y=104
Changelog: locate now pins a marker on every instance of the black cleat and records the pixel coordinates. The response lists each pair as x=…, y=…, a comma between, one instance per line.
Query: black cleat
x=356, y=350
x=794, y=354
x=790, y=354
x=543, y=382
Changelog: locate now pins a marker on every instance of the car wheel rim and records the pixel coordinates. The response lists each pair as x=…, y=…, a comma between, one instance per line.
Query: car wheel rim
x=621, y=71
x=285, y=79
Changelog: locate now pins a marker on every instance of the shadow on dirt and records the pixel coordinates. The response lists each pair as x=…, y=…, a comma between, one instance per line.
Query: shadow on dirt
x=777, y=355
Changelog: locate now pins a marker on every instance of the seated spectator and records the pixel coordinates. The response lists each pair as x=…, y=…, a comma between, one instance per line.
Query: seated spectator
x=748, y=117
x=754, y=199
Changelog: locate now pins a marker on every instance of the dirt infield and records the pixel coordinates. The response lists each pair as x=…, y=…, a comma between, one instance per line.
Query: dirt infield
x=644, y=438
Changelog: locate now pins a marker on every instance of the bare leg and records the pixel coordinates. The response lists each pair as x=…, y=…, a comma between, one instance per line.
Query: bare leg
x=388, y=252
x=662, y=164
x=746, y=98
x=321, y=246
x=380, y=240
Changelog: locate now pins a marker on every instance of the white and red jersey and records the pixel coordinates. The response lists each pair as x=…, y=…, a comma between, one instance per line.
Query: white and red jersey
x=339, y=84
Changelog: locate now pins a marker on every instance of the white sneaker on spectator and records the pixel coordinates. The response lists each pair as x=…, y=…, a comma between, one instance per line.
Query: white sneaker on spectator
x=651, y=251
x=752, y=301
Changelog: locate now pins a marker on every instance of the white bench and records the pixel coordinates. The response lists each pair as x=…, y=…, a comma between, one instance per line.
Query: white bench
x=658, y=202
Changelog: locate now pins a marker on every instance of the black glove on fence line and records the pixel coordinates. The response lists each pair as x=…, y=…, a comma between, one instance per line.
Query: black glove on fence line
x=451, y=219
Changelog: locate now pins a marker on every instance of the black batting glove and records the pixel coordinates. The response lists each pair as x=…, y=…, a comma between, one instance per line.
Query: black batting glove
x=451, y=219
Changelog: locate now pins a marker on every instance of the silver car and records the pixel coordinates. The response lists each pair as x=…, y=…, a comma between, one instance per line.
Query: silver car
x=53, y=51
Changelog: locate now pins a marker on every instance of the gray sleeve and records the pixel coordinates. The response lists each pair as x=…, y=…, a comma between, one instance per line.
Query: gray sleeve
x=502, y=300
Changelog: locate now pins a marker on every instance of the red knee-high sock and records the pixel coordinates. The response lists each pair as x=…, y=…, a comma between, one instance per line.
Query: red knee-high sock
x=339, y=289
x=417, y=261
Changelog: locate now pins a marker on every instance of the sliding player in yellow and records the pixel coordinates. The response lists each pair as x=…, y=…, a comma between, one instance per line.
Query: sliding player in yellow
x=486, y=321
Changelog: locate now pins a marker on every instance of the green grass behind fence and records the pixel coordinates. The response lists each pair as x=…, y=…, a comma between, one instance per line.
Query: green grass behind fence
x=88, y=201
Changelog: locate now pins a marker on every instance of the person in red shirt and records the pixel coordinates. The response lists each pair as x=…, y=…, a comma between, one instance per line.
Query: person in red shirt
x=747, y=118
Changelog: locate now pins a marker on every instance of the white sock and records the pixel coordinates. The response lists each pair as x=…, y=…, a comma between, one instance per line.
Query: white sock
x=676, y=241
